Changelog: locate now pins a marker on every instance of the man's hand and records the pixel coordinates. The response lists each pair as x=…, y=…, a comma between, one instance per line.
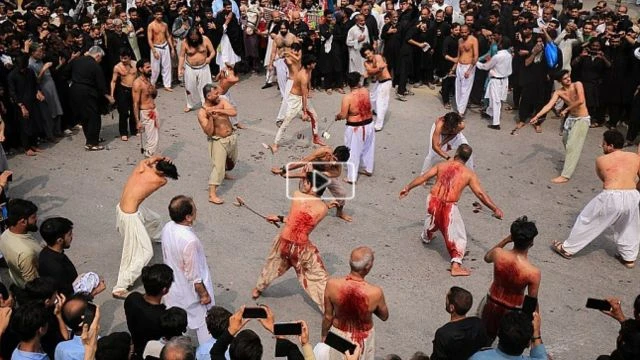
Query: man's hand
x=4, y=178
x=100, y=288
x=536, y=324
x=40, y=96
x=111, y=99
x=90, y=336
x=155, y=54
x=404, y=192
x=277, y=171
x=304, y=336
x=205, y=299
x=274, y=219
x=361, y=38
x=47, y=66
x=498, y=213
x=236, y=322
x=305, y=116
x=5, y=316
x=534, y=120
x=269, y=321
x=185, y=25
x=355, y=355
x=180, y=71
x=228, y=17
x=24, y=111
x=616, y=309
x=60, y=299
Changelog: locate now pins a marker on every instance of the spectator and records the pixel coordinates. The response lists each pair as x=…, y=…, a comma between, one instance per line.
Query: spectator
x=115, y=346
x=462, y=336
x=30, y=323
x=173, y=323
x=217, y=322
x=628, y=342
x=73, y=313
x=517, y=332
x=178, y=348
x=17, y=245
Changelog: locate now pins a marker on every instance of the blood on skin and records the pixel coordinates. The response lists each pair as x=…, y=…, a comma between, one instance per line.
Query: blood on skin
x=363, y=104
x=353, y=312
x=440, y=208
x=508, y=284
x=301, y=225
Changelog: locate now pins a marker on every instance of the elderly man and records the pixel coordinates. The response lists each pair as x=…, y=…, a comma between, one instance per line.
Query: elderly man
x=183, y=252
x=357, y=36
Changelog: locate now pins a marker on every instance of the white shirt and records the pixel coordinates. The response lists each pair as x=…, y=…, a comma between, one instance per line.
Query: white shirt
x=499, y=66
x=182, y=251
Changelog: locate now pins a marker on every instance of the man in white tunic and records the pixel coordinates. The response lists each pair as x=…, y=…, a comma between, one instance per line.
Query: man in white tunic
x=499, y=67
x=446, y=135
x=357, y=36
x=615, y=209
x=183, y=252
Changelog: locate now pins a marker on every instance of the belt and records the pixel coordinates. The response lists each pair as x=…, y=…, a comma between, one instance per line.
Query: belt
x=499, y=78
x=196, y=67
x=383, y=81
x=125, y=88
x=489, y=298
x=360, y=123
x=215, y=138
x=161, y=46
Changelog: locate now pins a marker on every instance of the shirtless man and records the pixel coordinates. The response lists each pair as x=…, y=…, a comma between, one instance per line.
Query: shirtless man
x=615, y=209
x=223, y=142
x=282, y=41
x=576, y=124
x=144, y=108
x=512, y=274
x=126, y=72
x=298, y=103
x=349, y=305
x=452, y=177
x=465, y=68
x=330, y=164
x=376, y=68
x=226, y=78
x=446, y=135
x=293, y=248
x=196, y=53
x=292, y=59
x=161, y=44
x=137, y=224
x=359, y=134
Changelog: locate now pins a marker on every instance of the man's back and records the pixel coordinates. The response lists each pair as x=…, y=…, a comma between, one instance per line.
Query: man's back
x=354, y=302
x=305, y=214
x=512, y=274
x=143, y=320
x=458, y=340
x=619, y=170
x=452, y=178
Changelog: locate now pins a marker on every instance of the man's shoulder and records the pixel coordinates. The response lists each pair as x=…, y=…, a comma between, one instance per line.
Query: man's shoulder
x=487, y=353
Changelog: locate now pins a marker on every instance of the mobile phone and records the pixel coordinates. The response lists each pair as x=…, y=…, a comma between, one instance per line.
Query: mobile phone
x=529, y=305
x=89, y=314
x=282, y=348
x=4, y=214
x=339, y=343
x=598, y=304
x=287, y=328
x=254, y=313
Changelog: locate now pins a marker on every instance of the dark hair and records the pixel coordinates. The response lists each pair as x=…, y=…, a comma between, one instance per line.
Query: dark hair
x=451, y=120
x=217, y=321
x=364, y=48
x=207, y=89
x=55, y=228
x=168, y=169
x=628, y=345
x=353, y=79
x=226, y=3
x=461, y=299
x=308, y=59
x=342, y=153
x=246, y=346
x=514, y=333
x=156, y=278
x=125, y=51
x=296, y=46
x=38, y=290
x=28, y=319
x=173, y=322
x=179, y=207
x=560, y=74
x=464, y=152
x=613, y=137
x=131, y=10
x=115, y=346
x=4, y=292
x=140, y=63
x=317, y=182
x=419, y=355
x=505, y=43
x=523, y=232
x=73, y=316
x=19, y=209
x=158, y=9
x=636, y=305
x=286, y=24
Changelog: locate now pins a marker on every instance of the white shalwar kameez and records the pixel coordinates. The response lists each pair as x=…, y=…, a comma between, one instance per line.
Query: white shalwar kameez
x=161, y=65
x=183, y=252
x=283, y=105
x=361, y=141
x=195, y=78
x=379, y=97
x=463, y=86
x=433, y=158
x=282, y=75
x=356, y=61
x=615, y=211
x=499, y=68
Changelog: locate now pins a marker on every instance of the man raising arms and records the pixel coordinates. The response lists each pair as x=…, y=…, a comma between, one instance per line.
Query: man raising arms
x=615, y=208
x=452, y=177
x=465, y=69
x=195, y=56
x=137, y=224
x=161, y=44
x=376, y=68
x=144, y=108
x=226, y=78
x=126, y=71
x=512, y=274
x=282, y=41
x=292, y=58
x=223, y=142
x=349, y=305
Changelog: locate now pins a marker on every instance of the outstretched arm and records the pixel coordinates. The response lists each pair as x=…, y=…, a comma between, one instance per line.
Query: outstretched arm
x=419, y=180
x=546, y=108
x=474, y=185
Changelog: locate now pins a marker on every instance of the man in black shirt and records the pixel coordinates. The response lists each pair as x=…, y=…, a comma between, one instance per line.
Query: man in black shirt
x=57, y=232
x=462, y=336
x=143, y=311
x=446, y=68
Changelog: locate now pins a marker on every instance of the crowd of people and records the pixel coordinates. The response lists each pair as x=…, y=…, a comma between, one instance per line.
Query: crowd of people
x=581, y=64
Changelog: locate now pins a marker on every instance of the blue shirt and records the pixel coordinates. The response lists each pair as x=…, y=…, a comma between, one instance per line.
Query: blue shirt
x=202, y=352
x=216, y=7
x=70, y=349
x=25, y=355
x=537, y=353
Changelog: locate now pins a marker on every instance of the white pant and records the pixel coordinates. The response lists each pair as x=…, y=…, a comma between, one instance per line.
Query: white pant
x=615, y=211
x=137, y=230
x=231, y=100
x=433, y=158
x=195, y=78
x=445, y=217
x=294, y=108
x=361, y=140
x=151, y=124
x=379, y=97
x=162, y=64
x=283, y=105
x=463, y=87
x=496, y=93
x=282, y=73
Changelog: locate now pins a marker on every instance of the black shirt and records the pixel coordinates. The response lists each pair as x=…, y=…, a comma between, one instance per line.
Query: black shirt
x=57, y=265
x=143, y=321
x=459, y=339
x=86, y=71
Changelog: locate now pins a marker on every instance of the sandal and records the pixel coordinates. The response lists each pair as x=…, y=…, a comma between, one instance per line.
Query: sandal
x=556, y=246
x=447, y=106
x=94, y=147
x=627, y=264
x=538, y=128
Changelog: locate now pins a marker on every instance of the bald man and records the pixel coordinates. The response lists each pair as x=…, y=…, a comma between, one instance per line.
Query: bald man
x=349, y=303
x=73, y=312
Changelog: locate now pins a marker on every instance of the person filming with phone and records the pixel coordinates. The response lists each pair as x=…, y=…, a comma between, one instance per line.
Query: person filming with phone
x=628, y=341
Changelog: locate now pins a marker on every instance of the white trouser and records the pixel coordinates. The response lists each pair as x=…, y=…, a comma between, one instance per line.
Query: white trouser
x=614, y=211
x=283, y=105
x=379, y=97
x=282, y=73
x=361, y=141
x=463, y=87
x=294, y=108
x=150, y=124
x=496, y=93
x=162, y=64
x=445, y=217
x=195, y=78
x=433, y=158
x=231, y=100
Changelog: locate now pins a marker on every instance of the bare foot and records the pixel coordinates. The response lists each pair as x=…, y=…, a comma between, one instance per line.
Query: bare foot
x=365, y=173
x=37, y=149
x=120, y=294
x=273, y=148
x=187, y=109
x=228, y=177
x=255, y=293
x=241, y=126
x=457, y=270
x=318, y=141
x=124, y=138
x=276, y=170
x=216, y=200
x=348, y=182
x=168, y=89
x=559, y=180
x=30, y=152
x=340, y=214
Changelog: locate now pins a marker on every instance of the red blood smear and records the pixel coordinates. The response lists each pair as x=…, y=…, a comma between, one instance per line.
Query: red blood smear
x=440, y=209
x=353, y=312
x=301, y=225
x=508, y=284
x=363, y=105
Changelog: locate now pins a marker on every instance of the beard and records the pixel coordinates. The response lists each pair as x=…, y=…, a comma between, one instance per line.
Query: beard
x=194, y=43
x=32, y=227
